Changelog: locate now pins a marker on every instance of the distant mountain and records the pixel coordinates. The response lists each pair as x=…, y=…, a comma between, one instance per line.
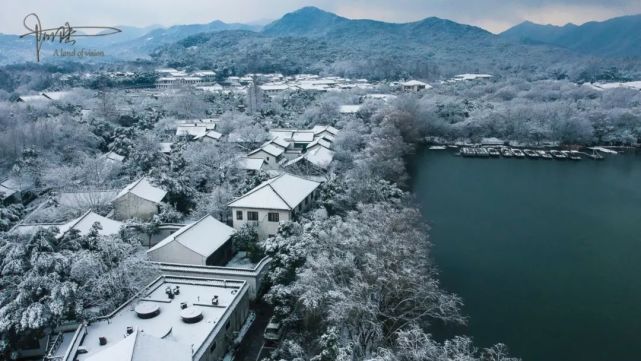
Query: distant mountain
x=308, y=21
x=314, y=22
x=178, y=32
x=130, y=43
x=617, y=37
x=313, y=40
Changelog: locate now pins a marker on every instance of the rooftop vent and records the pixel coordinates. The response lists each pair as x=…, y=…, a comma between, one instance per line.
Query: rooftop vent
x=214, y=301
x=147, y=310
x=191, y=315
x=102, y=340
x=169, y=292
x=183, y=305
x=177, y=290
x=130, y=330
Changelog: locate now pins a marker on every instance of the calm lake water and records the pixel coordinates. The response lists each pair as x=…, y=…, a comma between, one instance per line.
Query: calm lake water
x=546, y=254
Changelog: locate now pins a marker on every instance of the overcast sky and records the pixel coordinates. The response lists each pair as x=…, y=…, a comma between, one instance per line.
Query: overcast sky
x=493, y=15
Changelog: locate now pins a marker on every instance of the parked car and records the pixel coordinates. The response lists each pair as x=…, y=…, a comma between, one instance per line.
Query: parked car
x=273, y=333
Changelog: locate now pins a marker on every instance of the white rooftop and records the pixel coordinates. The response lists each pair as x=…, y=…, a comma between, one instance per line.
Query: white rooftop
x=349, y=109
x=283, y=192
x=303, y=136
x=167, y=327
x=322, y=128
x=250, y=163
x=413, y=83
x=270, y=149
x=145, y=190
x=279, y=142
x=204, y=236
x=113, y=156
x=82, y=224
x=212, y=134
x=194, y=131
x=140, y=347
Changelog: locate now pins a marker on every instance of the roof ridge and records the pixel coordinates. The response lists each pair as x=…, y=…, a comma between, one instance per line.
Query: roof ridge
x=279, y=196
x=133, y=347
x=257, y=188
x=174, y=236
x=77, y=220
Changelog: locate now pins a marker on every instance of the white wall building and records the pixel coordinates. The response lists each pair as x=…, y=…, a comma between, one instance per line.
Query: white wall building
x=172, y=319
x=139, y=199
x=414, y=86
x=272, y=202
x=204, y=242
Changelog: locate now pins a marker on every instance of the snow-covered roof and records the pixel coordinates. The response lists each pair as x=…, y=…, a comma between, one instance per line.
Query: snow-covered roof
x=282, y=133
x=283, y=192
x=194, y=131
x=324, y=128
x=274, y=87
x=472, y=76
x=211, y=88
x=270, y=149
x=55, y=95
x=44, y=96
x=82, y=224
x=204, y=236
x=279, y=142
x=384, y=97
x=251, y=163
x=141, y=347
x=167, y=325
x=113, y=156
x=165, y=147
x=210, y=134
x=319, y=156
x=414, y=83
x=205, y=73
x=145, y=190
x=303, y=136
x=349, y=109
x=320, y=141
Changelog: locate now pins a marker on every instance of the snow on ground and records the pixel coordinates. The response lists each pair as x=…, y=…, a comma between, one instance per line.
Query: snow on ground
x=241, y=260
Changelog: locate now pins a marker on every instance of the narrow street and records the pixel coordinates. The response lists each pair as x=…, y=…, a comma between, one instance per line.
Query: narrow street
x=252, y=345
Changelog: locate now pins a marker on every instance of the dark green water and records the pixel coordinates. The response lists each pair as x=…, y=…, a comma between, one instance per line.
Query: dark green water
x=545, y=254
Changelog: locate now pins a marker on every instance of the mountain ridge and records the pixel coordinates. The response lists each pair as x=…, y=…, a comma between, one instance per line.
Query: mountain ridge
x=615, y=37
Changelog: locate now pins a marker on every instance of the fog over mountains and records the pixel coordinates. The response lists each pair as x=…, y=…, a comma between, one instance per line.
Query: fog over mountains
x=311, y=39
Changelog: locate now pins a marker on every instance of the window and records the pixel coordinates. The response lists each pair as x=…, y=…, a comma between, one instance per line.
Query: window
x=227, y=325
x=272, y=216
x=268, y=159
x=239, y=215
x=213, y=347
x=252, y=216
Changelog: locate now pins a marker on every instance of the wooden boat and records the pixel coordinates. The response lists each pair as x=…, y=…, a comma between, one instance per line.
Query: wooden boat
x=494, y=152
x=518, y=153
x=507, y=153
x=558, y=154
x=482, y=152
x=545, y=155
x=596, y=155
x=574, y=155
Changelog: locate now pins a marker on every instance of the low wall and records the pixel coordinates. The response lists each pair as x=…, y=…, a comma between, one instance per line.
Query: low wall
x=254, y=277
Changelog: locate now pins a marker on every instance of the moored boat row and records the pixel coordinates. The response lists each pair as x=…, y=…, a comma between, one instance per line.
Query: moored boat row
x=508, y=152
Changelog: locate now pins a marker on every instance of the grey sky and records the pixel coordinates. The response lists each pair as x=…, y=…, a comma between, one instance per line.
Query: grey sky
x=493, y=15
